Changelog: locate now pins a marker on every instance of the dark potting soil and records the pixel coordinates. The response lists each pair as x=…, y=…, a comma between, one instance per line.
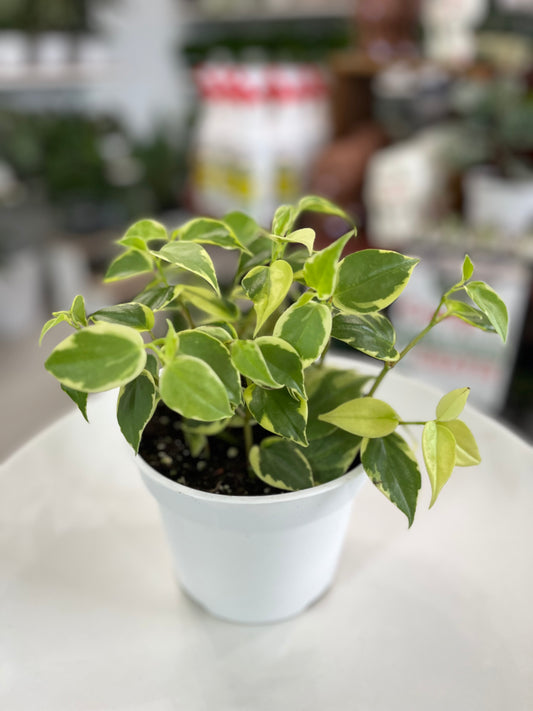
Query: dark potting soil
x=223, y=471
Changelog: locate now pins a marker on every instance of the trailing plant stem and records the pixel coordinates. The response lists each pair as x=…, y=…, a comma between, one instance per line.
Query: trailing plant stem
x=247, y=431
x=387, y=366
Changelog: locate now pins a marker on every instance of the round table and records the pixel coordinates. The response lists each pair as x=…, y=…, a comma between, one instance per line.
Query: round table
x=433, y=617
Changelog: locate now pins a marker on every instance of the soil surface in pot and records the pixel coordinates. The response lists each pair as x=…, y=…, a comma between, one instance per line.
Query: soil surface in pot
x=224, y=471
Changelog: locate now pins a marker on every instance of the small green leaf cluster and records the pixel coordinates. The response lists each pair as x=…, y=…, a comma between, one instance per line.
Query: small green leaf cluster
x=251, y=353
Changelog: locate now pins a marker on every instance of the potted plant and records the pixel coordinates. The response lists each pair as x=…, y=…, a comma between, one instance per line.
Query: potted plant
x=254, y=436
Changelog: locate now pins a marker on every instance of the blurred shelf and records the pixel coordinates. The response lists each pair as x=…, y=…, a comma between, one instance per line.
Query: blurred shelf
x=68, y=77
x=353, y=63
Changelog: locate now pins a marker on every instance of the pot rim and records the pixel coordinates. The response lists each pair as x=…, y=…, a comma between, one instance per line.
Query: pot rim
x=289, y=496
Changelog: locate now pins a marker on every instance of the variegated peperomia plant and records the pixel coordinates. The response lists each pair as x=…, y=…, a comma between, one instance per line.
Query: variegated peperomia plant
x=251, y=353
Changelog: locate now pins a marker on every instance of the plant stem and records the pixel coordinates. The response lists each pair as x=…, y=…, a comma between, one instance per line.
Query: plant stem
x=187, y=315
x=388, y=365
x=385, y=369
x=247, y=431
x=161, y=272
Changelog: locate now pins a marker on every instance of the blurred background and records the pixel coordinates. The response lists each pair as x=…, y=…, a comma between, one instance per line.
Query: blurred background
x=415, y=115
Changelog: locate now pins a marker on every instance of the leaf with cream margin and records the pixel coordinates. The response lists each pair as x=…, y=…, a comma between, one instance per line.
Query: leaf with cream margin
x=278, y=412
x=267, y=287
x=392, y=467
x=143, y=232
x=130, y=263
x=371, y=279
x=307, y=328
x=192, y=388
x=135, y=315
x=191, y=257
x=305, y=236
x=281, y=464
x=320, y=270
x=371, y=334
x=486, y=299
x=136, y=404
x=98, y=358
x=205, y=230
x=210, y=350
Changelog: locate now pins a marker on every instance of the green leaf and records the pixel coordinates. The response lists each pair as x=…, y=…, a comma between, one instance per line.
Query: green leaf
x=77, y=310
x=372, y=334
x=218, y=332
x=219, y=307
x=438, y=448
x=313, y=203
x=210, y=350
x=320, y=270
x=391, y=466
x=75, y=317
x=278, y=412
x=284, y=218
x=259, y=252
x=267, y=287
x=193, y=258
x=243, y=226
x=60, y=318
x=136, y=404
x=307, y=328
x=195, y=442
x=331, y=456
x=152, y=366
x=132, y=314
x=204, y=428
x=193, y=389
x=469, y=315
x=297, y=259
x=279, y=463
x=364, y=416
x=466, y=452
x=249, y=360
x=283, y=363
x=304, y=298
x=452, y=404
x=170, y=343
x=305, y=236
x=371, y=279
x=144, y=231
x=97, y=358
x=215, y=328
x=327, y=388
x=128, y=264
x=156, y=296
x=269, y=362
x=491, y=304
x=208, y=231
x=468, y=268
x=133, y=243
x=286, y=215
x=79, y=398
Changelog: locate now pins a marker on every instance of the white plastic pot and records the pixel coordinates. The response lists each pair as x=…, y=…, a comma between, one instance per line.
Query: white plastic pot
x=255, y=559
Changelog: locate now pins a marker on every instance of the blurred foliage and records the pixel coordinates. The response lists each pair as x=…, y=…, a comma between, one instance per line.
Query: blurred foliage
x=499, y=115
x=302, y=39
x=73, y=160
x=46, y=15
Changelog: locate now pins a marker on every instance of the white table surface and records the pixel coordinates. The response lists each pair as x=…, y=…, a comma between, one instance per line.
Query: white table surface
x=438, y=617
